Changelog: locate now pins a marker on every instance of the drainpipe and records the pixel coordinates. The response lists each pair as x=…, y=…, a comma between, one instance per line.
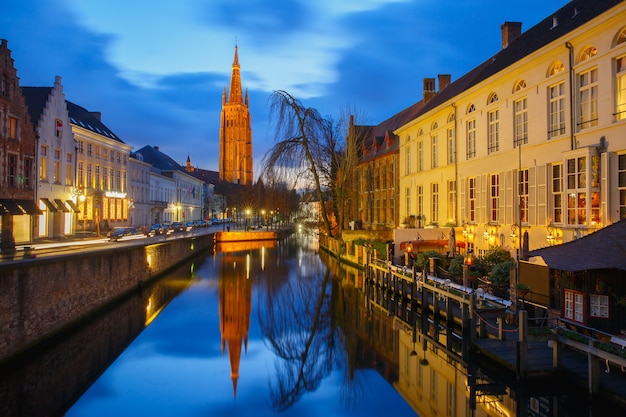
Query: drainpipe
x=456, y=167
x=569, y=46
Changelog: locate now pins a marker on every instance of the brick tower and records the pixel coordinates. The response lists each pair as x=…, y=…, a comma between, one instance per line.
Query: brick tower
x=235, y=133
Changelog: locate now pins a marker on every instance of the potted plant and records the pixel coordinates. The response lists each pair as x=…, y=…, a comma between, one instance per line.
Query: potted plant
x=522, y=289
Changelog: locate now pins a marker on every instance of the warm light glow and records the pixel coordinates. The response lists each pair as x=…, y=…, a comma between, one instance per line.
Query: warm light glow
x=149, y=259
x=82, y=198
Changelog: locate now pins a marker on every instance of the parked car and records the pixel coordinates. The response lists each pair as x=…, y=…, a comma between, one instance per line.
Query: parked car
x=155, y=229
x=188, y=226
x=167, y=227
x=117, y=233
x=199, y=223
x=177, y=227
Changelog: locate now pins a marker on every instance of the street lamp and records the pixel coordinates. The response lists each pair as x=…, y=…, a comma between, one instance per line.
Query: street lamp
x=247, y=215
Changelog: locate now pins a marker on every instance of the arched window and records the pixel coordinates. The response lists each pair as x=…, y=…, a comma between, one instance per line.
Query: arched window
x=420, y=132
x=451, y=118
x=471, y=109
x=587, y=53
x=435, y=126
x=493, y=97
x=557, y=67
x=519, y=86
x=620, y=38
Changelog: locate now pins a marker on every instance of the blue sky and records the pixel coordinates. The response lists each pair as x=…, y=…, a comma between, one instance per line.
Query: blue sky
x=156, y=69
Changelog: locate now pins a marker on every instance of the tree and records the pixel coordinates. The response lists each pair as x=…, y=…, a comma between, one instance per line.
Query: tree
x=300, y=153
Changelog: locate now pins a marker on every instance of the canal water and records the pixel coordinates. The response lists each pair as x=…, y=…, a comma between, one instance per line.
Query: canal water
x=263, y=329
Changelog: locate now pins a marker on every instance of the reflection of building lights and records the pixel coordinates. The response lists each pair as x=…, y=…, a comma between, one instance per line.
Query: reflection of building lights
x=149, y=260
x=248, y=266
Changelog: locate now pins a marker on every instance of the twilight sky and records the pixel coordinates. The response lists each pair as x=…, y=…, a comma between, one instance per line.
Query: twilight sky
x=156, y=69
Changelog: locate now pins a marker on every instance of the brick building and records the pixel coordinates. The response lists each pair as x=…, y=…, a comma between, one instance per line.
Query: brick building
x=18, y=146
x=235, y=133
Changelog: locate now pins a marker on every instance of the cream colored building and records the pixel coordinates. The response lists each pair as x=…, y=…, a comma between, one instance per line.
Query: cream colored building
x=533, y=139
x=102, y=169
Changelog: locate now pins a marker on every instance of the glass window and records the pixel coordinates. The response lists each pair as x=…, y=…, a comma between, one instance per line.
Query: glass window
x=434, y=212
x=434, y=152
x=471, y=139
x=452, y=201
x=573, y=307
x=471, y=199
x=522, y=192
x=420, y=155
x=493, y=132
x=599, y=305
x=521, y=122
x=494, y=197
x=557, y=193
x=620, y=88
x=588, y=98
x=556, y=94
x=451, y=146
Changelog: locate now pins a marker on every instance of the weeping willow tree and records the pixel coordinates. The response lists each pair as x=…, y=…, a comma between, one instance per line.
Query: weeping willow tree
x=301, y=153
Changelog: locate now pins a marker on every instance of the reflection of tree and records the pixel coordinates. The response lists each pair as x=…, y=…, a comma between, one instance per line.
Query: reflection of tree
x=300, y=320
x=296, y=322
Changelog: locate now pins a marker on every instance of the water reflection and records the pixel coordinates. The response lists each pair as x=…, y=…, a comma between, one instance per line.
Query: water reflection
x=49, y=380
x=273, y=328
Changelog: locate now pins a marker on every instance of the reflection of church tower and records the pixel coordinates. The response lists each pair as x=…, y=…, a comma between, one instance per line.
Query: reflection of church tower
x=235, y=133
x=235, y=292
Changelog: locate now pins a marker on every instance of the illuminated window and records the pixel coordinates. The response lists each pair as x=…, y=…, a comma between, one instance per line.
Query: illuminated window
x=577, y=190
x=557, y=193
x=13, y=128
x=451, y=146
x=522, y=192
x=43, y=163
x=452, y=200
x=519, y=86
x=556, y=68
x=620, y=88
x=471, y=199
x=588, y=53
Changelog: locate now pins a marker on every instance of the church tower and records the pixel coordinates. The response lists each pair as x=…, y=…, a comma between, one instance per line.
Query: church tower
x=235, y=132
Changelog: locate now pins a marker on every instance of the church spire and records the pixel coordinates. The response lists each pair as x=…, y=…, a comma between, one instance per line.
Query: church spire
x=235, y=81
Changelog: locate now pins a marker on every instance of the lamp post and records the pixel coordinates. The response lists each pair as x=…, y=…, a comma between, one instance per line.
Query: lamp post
x=247, y=215
x=82, y=198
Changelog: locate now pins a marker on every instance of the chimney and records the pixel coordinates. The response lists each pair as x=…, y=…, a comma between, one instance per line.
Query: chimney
x=444, y=80
x=156, y=148
x=97, y=115
x=429, y=89
x=510, y=32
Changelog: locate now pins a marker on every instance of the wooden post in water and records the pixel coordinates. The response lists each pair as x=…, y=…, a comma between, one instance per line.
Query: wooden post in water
x=522, y=344
x=593, y=371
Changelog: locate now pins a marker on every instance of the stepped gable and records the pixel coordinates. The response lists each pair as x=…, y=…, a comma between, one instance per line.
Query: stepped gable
x=36, y=99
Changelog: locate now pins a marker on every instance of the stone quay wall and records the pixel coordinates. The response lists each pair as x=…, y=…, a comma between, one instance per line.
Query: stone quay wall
x=42, y=296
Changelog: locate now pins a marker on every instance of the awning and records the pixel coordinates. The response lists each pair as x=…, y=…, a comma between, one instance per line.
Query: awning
x=29, y=206
x=73, y=206
x=61, y=205
x=10, y=207
x=51, y=207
